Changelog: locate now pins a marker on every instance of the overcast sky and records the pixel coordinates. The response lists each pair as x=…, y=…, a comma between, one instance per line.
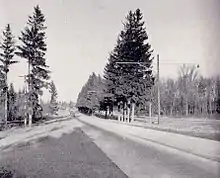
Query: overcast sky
x=81, y=33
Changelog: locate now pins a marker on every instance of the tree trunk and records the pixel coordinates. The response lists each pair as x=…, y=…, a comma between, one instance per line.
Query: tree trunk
x=121, y=112
x=207, y=108
x=210, y=105
x=25, y=116
x=6, y=100
x=112, y=110
x=128, y=114
x=196, y=106
x=124, y=109
x=108, y=111
x=150, y=110
x=138, y=110
x=186, y=106
x=128, y=111
x=132, y=111
x=172, y=107
x=30, y=109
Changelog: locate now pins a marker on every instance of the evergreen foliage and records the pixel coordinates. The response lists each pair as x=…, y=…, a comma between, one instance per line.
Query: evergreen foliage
x=53, y=99
x=12, y=99
x=91, y=94
x=7, y=51
x=130, y=81
x=6, y=57
x=33, y=49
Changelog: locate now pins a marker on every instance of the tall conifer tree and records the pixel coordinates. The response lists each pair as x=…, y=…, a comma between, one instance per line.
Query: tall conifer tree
x=33, y=49
x=6, y=57
x=53, y=98
x=130, y=82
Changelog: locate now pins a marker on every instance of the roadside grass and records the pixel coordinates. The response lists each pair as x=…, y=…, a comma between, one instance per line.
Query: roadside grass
x=208, y=128
x=198, y=127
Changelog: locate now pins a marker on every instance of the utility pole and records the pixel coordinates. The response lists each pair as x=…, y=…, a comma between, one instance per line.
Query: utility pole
x=158, y=88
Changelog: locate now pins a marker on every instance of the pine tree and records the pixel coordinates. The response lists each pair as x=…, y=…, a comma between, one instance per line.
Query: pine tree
x=53, y=98
x=33, y=49
x=12, y=99
x=130, y=82
x=91, y=95
x=6, y=57
x=81, y=100
x=21, y=104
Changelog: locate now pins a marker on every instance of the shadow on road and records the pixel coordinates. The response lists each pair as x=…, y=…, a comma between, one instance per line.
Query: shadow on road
x=72, y=155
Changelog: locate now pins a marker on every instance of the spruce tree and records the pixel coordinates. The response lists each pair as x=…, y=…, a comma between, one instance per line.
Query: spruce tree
x=130, y=83
x=81, y=100
x=6, y=57
x=53, y=98
x=33, y=49
x=90, y=95
x=12, y=99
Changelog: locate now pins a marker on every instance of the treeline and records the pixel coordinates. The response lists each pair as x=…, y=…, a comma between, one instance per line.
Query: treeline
x=30, y=46
x=190, y=94
x=130, y=87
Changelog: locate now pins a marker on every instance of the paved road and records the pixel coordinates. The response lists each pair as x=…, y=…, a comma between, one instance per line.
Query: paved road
x=72, y=155
x=143, y=160
x=93, y=153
